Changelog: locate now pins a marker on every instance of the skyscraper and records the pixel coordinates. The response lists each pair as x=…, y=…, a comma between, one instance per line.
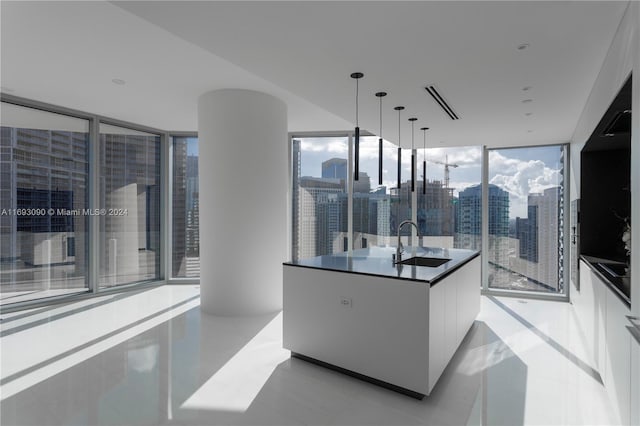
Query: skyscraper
x=43, y=169
x=335, y=168
x=469, y=224
x=469, y=219
x=540, y=239
x=435, y=209
x=319, y=212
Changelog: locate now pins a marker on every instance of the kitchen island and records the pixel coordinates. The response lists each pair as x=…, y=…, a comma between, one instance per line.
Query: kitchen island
x=394, y=325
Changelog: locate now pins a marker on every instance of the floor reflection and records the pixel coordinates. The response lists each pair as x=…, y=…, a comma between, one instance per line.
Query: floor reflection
x=195, y=369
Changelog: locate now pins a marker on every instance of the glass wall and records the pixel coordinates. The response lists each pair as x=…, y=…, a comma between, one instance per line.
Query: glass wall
x=43, y=197
x=185, y=257
x=526, y=219
x=450, y=207
x=378, y=209
x=130, y=206
x=401, y=197
x=319, y=196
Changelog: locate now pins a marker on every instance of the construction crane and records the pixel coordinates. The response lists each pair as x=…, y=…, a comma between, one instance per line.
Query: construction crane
x=446, y=165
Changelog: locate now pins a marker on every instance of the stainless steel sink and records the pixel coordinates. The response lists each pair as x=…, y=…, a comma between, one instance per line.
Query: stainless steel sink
x=432, y=262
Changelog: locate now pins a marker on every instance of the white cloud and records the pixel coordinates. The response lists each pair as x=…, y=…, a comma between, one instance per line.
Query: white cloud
x=336, y=145
x=520, y=178
x=463, y=157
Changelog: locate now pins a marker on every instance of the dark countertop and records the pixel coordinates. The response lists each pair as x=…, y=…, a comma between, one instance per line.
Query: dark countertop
x=621, y=286
x=377, y=261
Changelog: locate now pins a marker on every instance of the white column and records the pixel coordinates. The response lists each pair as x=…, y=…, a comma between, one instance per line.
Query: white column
x=243, y=172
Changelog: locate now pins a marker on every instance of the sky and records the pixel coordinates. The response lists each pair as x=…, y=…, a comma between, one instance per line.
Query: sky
x=519, y=171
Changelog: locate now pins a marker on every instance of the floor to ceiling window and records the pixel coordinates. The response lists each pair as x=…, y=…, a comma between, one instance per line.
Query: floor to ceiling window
x=319, y=195
x=526, y=219
x=185, y=256
x=401, y=195
x=130, y=203
x=449, y=206
x=43, y=194
x=379, y=208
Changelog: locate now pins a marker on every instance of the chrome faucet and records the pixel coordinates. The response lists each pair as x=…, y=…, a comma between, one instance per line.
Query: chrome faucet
x=400, y=248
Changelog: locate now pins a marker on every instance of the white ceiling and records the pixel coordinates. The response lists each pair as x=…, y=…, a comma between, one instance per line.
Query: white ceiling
x=169, y=53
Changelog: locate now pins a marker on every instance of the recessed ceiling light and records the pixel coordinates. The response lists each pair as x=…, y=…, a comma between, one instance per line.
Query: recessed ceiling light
x=523, y=46
x=528, y=114
x=527, y=101
x=118, y=81
x=526, y=88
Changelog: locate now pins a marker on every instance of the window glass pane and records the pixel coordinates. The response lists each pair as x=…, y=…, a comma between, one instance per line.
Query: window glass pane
x=450, y=211
x=379, y=209
x=401, y=198
x=43, y=194
x=526, y=214
x=130, y=199
x=186, y=215
x=319, y=201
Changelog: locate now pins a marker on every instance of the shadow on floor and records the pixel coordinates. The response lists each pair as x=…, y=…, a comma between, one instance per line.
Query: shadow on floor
x=151, y=379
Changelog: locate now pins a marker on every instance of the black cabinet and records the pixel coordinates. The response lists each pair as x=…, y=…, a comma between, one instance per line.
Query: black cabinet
x=605, y=176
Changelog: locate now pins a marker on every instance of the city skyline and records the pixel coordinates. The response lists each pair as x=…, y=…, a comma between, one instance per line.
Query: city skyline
x=519, y=172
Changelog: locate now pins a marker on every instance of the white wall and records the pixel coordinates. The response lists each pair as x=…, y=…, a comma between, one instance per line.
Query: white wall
x=623, y=57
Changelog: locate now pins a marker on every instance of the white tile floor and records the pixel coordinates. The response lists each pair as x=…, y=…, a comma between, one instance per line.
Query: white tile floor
x=151, y=358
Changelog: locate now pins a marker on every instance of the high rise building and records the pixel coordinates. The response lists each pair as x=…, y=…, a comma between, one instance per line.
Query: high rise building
x=527, y=236
x=335, y=168
x=43, y=169
x=540, y=239
x=469, y=219
x=469, y=222
x=319, y=213
x=436, y=214
x=130, y=247
x=179, y=217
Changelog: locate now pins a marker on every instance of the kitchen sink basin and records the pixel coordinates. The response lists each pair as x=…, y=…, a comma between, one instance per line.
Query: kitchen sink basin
x=432, y=262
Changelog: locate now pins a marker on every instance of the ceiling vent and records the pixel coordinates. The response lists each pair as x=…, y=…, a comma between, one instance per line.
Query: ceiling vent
x=440, y=101
x=619, y=124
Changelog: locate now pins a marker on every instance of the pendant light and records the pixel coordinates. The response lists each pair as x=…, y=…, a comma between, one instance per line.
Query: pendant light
x=380, y=95
x=399, y=108
x=357, y=76
x=424, y=159
x=413, y=159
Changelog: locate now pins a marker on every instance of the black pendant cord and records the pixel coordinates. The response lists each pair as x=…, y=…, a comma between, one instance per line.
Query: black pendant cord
x=424, y=159
x=399, y=108
x=356, y=145
x=413, y=157
x=380, y=95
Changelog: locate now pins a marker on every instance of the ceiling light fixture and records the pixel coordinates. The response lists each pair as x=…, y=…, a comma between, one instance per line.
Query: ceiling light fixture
x=413, y=157
x=380, y=95
x=356, y=173
x=399, y=108
x=424, y=159
x=523, y=46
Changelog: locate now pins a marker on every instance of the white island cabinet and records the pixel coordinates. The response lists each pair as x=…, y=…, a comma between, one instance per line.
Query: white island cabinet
x=395, y=326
